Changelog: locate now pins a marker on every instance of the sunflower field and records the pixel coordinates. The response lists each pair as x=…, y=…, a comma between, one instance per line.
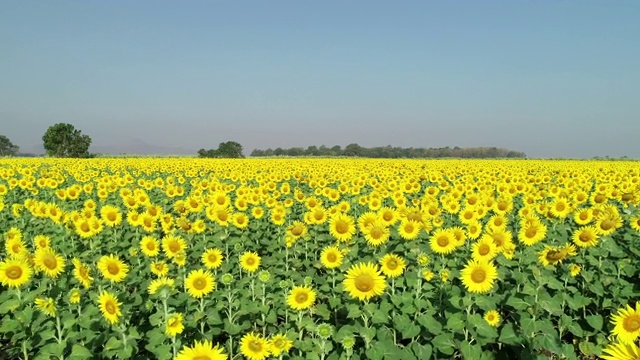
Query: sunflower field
x=135, y=258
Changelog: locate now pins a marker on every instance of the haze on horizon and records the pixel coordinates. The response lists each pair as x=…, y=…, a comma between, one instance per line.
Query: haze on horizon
x=549, y=78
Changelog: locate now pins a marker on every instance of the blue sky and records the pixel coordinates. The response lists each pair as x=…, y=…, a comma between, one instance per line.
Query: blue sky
x=550, y=78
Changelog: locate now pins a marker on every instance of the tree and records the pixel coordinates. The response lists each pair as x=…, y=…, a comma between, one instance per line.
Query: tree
x=64, y=140
x=7, y=148
x=230, y=149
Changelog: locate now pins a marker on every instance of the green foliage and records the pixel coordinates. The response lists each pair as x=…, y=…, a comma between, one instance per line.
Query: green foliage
x=228, y=149
x=355, y=150
x=64, y=140
x=7, y=148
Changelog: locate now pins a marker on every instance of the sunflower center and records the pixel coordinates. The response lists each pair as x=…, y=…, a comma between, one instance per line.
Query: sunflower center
x=111, y=309
x=50, y=262
x=387, y=216
x=174, y=247
x=554, y=255
x=14, y=272
x=113, y=269
x=250, y=261
x=531, y=232
x=332, y=257
x=491, y=317
x=584, y=237
x=342, y=227
x=151, y=246
x=408, y=227
x=364, y=283
x=392, y=264
x=85, y=227
x=301, y=297
x=376, y=233
x=627, y=197
x=599, y=198
x=584, y=216
x=213, y=258
x=502, y=206
x=484, y=249
x=111, y=217
x=606, y=225
x=201, y=357
x=16, y=248
x=199, y=284
x=443, y=241
x=632, y=323
x=478, y=276
x=297, y=230
x=560, y=207
x=255, y=346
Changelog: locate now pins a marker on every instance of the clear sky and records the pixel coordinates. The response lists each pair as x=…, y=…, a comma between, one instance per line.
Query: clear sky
x=550, y=78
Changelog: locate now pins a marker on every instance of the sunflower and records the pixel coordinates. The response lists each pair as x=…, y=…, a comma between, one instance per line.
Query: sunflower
x=532, y=233
x=111, y=215
x=240, y=220
x=364, y=281
x=150, y=246
x=492, y=317
x=297, y=229
x=392, y=265
x=82, y=273
x=583, y=216
x=409, y=229
x=342, y=227
x=254, y=347
x=46, y=305
x=586, y=236
x=74, y=296
x=484, y=249
x=112, y=268
x=202, y=351
x=442, y=242
x=479, y=276
x=250, y=261
x=159, y=268
x=626, y=324
x=41, y=241
x=15, y=247
x=156, y=284
x=388, y=215
x=301, y=297
x=171, y=245
x=279, y=344
x=635, y=223
x=14, y=273
x=560, y=208
x=366, y=219
x=174, y=325
x=110, y=307
x=50, y=263
x=377, y=233
x=555, y=255
x=574, y=270
x=199, y=283
x=212, y=258
x=607, y=224
x=331, y=257
x=621, y=351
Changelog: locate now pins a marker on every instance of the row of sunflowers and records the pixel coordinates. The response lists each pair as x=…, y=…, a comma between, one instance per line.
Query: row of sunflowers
x=319, y=259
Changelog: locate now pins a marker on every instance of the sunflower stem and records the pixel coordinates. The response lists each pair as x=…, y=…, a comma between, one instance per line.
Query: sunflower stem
x=174, y=348
x=25, y=354
x=58, y=330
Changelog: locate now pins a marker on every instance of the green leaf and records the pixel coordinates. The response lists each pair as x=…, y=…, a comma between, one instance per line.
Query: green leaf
x=379, y=317
x=80, y=352
x=9, y=305
x=587, y=348
x=455, y=322
x=470, y=351
x=517, y=302
x=430, y=323
x=9, y=325
x=354, y=311
x=112, y=344
x=595, y=321
x=508, y=335
x=421, y=351
x=444, y=343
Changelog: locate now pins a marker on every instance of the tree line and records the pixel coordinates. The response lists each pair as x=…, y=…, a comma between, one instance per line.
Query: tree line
x=393, y=152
